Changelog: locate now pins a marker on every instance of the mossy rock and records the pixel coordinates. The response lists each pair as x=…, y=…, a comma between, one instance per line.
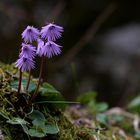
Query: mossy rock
x=73, y=123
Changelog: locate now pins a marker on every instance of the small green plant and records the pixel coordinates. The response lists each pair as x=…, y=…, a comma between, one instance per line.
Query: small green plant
x=89, y=99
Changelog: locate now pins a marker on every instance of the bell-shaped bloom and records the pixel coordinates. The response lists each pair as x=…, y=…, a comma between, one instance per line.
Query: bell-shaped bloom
x=30, y=34
x=28, y=51
x=25, y=64
x=51, y=49
x=40, y=47
x=51, y=32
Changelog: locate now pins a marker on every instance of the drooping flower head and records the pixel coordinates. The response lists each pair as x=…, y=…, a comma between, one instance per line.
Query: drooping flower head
x=51, y=32
x=24, y=64
x=30, y=34
x=40, y=47
x=28, y=51
x=51, y=49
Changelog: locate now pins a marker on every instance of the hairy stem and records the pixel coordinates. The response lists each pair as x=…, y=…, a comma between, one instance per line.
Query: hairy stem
x=29, y=78
x=39, y=81
x=20, y=79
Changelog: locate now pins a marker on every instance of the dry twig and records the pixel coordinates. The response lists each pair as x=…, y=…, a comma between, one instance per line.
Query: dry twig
x=90, y=34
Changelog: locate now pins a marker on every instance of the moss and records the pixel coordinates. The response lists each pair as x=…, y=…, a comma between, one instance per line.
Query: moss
x=9, y=107
x=12, y=105
x=70, y=131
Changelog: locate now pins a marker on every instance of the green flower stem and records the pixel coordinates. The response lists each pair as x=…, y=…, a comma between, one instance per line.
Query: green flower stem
x=39, y=81
x=29, y=78
x=20, y=79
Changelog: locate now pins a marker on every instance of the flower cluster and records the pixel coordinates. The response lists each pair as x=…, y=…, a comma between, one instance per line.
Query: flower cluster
x=45, y=45
x=50, y=32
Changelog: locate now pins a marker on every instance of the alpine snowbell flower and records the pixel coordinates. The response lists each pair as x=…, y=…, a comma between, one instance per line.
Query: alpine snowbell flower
x=24, y=64
x=30, y=34
x=28, y=51
x=40, y=47
x=51, y=32
x=50, y=49
x=45, y=48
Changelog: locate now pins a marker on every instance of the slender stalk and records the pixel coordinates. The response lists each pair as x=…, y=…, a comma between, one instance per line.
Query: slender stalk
x=29, y=78
x=39, y=81
x=20, y=79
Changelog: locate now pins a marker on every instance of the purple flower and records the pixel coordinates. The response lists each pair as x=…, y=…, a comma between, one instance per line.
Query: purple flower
x=30, y=34
x=51, y=32
x=28, y=51
x=50, y=49
x=40, y=47
x=25, y=64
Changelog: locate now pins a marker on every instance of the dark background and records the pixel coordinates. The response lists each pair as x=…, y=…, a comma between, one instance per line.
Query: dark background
x=101, y=44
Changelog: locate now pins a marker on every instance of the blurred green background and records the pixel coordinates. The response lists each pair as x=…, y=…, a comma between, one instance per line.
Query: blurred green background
x=101, y=44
